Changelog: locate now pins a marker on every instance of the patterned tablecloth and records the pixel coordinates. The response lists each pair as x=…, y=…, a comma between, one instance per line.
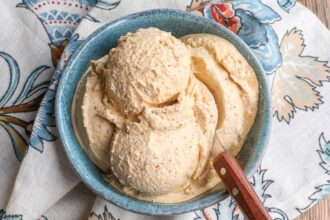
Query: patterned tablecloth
x=39, y=36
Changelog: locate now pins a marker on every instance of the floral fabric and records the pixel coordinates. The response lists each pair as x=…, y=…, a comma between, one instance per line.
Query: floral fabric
x=38, y=38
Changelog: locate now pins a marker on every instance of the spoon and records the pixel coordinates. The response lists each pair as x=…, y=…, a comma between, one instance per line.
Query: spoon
x=237, y=184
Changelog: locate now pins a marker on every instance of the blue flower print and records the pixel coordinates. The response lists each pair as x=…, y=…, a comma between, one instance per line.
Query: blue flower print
x=27, y=100
x=250, y=20
x=61, y=17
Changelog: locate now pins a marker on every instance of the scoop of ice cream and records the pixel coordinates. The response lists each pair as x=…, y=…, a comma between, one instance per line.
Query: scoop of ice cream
x=147, y=68
x=220, y=66
x=158, y=154
x=167, y=146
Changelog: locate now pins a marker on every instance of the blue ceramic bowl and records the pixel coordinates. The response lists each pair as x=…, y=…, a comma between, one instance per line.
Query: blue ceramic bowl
x=96, y=46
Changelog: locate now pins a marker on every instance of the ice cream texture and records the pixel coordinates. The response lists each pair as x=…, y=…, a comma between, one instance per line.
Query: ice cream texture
x=151, y=108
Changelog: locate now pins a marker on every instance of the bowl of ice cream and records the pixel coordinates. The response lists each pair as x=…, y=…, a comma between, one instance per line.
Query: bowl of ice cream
x=141, y=99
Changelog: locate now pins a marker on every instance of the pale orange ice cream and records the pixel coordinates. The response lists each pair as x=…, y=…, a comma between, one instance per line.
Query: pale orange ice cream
x=147, y=68
x=152, y=106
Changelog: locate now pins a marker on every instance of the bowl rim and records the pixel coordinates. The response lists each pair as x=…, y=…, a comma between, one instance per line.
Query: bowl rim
x=140, y=206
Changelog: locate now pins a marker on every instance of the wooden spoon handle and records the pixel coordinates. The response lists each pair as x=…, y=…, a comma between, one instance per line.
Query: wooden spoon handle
x=239, y=187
